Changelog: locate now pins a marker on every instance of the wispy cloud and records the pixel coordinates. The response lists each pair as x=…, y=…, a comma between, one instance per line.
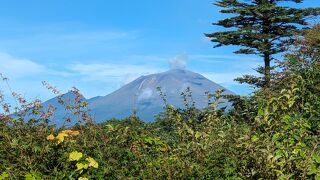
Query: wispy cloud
x=225, y=68
x=229, y=65
x=15, y=67
x=105, y=72
x=62, y=42
x=19, y=67
x=101, y=77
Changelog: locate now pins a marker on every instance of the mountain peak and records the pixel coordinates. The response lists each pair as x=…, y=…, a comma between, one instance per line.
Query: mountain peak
x=179, y=71
x=142, y=95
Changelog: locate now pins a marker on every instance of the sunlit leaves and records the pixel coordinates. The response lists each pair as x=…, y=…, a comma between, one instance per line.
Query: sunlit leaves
x=61, y=136
x=50, y=137
x=4, y=175
x=83, y=178
x=92, y=163
x=32, y=176
x=81, y=167
x=316, y=158
x=70, y=132
x=75, y=156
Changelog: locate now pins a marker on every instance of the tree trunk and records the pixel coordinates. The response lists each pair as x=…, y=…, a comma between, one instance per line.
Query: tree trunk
x=267, y=69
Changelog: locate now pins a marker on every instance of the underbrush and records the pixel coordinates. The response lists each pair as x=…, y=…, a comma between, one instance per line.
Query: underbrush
x=207, y=144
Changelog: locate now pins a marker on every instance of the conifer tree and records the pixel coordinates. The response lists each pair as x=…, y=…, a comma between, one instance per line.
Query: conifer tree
x=260, y=27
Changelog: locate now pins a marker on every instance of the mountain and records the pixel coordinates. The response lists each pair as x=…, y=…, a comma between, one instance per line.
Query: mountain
x=61, y=113
x=142, y=95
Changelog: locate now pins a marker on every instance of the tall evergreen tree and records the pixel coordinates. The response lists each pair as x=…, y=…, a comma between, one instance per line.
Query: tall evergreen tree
x=260, y=27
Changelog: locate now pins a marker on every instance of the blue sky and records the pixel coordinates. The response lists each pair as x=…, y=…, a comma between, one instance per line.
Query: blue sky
x=99, y=45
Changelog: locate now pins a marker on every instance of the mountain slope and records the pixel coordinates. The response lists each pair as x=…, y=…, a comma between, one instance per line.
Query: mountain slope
x=142, y=94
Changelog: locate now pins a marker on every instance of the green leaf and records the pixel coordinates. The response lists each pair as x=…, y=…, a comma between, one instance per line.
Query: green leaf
x=110, y=127
x=254, y=138
x=312, y=169
x=278, y=154
x=4, y=175
x=162, y=149
x=149, y=140
x=158, y=141
x=275, y=136
x=197, y=135
x=32, y=176
x=29, y=177
x=316, y=158
x=190, y=131
x=83, y=178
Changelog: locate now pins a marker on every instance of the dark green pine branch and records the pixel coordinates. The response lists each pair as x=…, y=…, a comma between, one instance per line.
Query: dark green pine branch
x=261, y=27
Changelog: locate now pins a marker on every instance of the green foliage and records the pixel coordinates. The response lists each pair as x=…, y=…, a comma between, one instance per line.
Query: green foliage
x=273, y=134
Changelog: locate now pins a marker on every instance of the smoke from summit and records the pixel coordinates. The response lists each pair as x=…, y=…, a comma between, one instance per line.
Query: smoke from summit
x=178, y=62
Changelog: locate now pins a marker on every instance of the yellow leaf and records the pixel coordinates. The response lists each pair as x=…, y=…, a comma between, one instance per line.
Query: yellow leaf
x=50, y=137
x=197, y=135
x=75, y=156
x=92, y=163
x=61, y=136
x=74, y=133
x=81, y=166
x=70, y=132
x=66, y=131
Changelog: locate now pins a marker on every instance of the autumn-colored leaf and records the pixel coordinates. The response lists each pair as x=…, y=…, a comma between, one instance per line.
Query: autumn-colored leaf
x=75, y=156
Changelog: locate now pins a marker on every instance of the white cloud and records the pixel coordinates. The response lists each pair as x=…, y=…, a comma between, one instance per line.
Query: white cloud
x=145, y=94
x=231, y=67
x=178, y=62
x=62, y=43
x=13, y=67
x=124, y=73
x=94, y=76
x=119, y=73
